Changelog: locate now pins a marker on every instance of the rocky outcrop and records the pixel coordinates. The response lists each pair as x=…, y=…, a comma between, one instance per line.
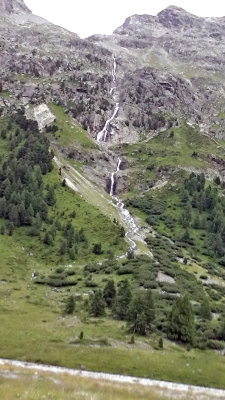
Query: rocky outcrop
x=13, y=6
x=41, y=63
x=176, y=17
x=42, y=115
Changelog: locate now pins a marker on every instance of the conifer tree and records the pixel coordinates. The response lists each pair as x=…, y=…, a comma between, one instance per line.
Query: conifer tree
x=97, y=304
x=109, y=293
x=122, y=300
x=205, y=311
x=70, y=305
x=141, y=312
x=181, y=321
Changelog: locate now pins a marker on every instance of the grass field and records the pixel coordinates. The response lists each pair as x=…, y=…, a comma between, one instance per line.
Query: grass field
x=31, y=383
x=34, y=327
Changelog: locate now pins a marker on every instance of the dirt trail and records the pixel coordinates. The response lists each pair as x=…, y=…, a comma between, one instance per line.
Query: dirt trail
x=168, y=389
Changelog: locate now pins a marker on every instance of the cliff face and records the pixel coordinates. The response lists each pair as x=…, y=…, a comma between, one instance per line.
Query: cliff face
x=174, y=46
x=13, y=6
x=41, y=62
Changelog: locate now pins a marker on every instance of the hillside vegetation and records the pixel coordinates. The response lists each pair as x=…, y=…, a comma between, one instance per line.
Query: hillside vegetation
x=72, y=301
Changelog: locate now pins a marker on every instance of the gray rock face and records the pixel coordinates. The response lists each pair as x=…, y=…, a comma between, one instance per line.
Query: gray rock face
x=40, y=62
x=13, y=6
x=170, y=65
x=175, y=17
x=185, y=54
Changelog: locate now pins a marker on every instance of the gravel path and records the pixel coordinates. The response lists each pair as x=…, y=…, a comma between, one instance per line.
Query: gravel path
x=169, y=389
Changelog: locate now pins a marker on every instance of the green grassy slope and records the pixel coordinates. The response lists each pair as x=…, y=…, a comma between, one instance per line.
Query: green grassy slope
x=177, y=148
x=34, y=326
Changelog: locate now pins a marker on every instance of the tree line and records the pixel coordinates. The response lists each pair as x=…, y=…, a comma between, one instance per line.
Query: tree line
x=22, y=201
x=137, y=308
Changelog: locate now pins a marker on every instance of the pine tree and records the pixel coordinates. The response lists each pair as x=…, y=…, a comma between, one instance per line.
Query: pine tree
x=3, y=134
x=10, y=228
x=122, y=231
x=181, y=321
x=122, y=300
x=141, y=312
x=205, y=311
x=3, y=207
x=29, y=215
x=196, y=224
x=184, y=196
x=14, y=215
x=73, y=252
x=63, y=247
x=48, y=239
x=70, y=305
x=50, y=197
x=97, y=304
x=97, y=248
x=109, y=293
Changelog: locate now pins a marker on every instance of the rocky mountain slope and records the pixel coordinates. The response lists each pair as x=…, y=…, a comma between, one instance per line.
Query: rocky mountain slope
x=41, y=62
x=112, y=168
x=175, y=62
x=13, y=6
x=169, y=65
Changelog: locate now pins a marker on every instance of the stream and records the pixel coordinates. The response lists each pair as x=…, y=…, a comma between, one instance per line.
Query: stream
x=126, y=217
x=103, y=134
x=131, y=227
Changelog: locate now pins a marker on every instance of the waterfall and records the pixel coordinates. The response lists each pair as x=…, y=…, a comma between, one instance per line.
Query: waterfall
x=103, y=134
x=114, y=69
x=118, y=164
x=112, y=89
x=128, y=220
x=112, y=184
x=113, y=177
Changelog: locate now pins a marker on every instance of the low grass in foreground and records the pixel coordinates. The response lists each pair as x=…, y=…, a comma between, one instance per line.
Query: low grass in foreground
x=16, y=383
x=34, y=328
x=27, y=386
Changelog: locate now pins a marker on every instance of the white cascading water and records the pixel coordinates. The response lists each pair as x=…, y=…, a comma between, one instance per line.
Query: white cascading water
x=112, y=184
x=113, y=177
x=114, y=69
x=103, y=134
x=132, y=228
x=128, y=220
